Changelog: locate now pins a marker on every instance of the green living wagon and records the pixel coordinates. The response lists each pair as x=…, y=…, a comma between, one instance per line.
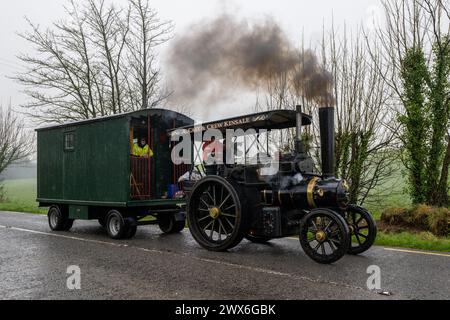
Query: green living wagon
x=87, y=170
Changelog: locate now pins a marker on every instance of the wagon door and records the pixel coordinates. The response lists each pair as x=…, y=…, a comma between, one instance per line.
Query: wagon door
x=142, y=166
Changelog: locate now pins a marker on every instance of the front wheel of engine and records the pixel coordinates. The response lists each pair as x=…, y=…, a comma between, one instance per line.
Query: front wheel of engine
x=214, y=214
x=363, y=229
x=324, y=236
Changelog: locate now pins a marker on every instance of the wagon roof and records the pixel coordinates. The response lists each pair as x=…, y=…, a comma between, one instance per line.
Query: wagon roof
x=163, y=112
x=270, y=120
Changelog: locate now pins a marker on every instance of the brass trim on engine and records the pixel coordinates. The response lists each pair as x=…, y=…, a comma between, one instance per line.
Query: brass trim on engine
x=320, y=192
x=310, y=192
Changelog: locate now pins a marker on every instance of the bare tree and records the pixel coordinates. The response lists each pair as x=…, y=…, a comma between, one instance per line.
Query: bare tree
x=15, y=142
x=364, y=141
x=147, y=32
x=408, y=24
x=416, y=34
x=94, y=63
x=109, y=31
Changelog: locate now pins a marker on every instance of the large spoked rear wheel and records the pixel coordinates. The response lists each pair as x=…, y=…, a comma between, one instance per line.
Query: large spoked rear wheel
x=363, y=229
x=214, y=214
x=324, y=236
x=58, y=219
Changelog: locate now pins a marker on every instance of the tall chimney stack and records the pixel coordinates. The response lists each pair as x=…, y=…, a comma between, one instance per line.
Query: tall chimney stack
x=326, y=122
x=299, y=148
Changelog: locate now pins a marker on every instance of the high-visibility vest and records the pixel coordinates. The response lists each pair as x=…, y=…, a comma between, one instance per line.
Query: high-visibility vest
x=140, y=152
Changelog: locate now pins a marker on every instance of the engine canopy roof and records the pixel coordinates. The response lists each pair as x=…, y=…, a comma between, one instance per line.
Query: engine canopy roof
x=270, y=120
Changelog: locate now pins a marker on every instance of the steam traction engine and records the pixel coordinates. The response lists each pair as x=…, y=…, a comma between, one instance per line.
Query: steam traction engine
x=240, y=201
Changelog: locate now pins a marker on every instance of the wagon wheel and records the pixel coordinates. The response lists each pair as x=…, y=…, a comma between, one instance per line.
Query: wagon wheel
x=214, y=214
x=102, y=221
x=131, y=227
x=58, y=219
x=168, y=224
x=363, y=229
x=120, y=227
x=324, y=236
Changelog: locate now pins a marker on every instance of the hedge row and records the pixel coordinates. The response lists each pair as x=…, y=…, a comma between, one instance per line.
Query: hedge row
x=422, y=217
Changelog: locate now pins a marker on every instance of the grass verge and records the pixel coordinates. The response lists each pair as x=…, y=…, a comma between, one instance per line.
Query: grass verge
x=421, y=241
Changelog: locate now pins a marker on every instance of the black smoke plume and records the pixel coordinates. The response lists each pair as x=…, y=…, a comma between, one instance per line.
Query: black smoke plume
x=213, y=58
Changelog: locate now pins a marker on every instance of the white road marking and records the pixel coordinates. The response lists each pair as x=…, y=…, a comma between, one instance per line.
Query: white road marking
x=405, y=250
x=185, y=255
x=68, y=237
x=418, y=252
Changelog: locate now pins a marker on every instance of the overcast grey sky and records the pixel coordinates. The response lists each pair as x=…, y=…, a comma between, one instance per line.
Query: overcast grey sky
x=295, y=16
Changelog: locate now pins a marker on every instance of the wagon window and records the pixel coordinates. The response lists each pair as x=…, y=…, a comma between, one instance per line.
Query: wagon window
x=69, y=141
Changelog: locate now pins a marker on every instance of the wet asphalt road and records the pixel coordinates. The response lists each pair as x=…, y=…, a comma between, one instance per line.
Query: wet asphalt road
x=34, y=261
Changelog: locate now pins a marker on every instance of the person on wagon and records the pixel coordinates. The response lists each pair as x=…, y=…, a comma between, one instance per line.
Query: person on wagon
x=141, y=149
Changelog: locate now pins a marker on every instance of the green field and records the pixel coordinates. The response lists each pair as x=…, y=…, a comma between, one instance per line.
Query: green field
x=391, y=193
x=21, y=197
